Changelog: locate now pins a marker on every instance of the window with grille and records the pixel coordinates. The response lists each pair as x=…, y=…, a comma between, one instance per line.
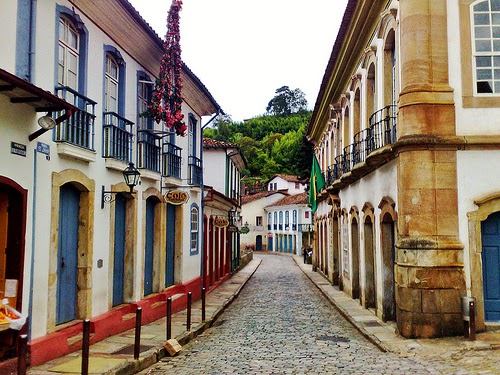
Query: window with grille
x=486, y=47
x=67, y=73
x=111, y=85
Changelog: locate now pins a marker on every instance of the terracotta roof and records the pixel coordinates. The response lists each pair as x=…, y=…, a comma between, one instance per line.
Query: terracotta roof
x=301, y=198
x=262, y=194
x=213, y=143
x=288, y=177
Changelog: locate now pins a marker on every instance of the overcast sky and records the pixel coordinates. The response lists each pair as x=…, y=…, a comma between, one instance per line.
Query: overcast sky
x=244, y=50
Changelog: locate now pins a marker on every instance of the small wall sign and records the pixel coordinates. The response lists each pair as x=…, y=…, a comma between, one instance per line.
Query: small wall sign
x=176, y=197
x=18, y=149
x=221, y=222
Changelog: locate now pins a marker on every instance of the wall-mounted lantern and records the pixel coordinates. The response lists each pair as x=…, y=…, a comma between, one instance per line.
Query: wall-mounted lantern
x=131, y=176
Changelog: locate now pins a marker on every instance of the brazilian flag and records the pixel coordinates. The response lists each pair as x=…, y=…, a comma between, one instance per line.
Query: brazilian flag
x=316, y=183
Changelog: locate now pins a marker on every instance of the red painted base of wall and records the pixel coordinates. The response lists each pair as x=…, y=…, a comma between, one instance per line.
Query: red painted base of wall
x=117, y=320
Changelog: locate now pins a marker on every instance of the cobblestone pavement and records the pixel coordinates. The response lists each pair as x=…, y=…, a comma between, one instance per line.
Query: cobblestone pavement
x=281, y=324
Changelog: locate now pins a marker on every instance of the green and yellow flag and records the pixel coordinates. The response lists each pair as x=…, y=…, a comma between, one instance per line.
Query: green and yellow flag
x=316, y=183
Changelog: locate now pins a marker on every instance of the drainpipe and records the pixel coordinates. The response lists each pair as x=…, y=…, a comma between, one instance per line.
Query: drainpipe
x=31, y=61
x=31, y=72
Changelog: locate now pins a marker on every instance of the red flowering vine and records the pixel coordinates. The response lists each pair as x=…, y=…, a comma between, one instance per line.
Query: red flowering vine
x=166, y=104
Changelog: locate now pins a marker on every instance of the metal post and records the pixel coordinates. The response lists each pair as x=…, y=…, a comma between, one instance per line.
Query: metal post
x=203, y=304
x=169, y=318
x=85, y=347
x=21, y=354
x=472, y=321
x=137, y=342
x=188, y=324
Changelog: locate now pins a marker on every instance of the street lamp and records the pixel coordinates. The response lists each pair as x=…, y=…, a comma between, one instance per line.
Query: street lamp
x=131, y=176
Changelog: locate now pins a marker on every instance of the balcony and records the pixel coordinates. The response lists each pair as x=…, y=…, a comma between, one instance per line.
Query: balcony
x=195, y=171
x=306, y=228
x=117, y=142
x=78, y=130
x=172, y=159
x=148, y=150
x=382, y=132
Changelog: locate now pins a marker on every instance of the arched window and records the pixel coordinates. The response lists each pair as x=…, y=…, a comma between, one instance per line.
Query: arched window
x=294, y=220
x=287, y=220
x=275, y=222
x=269, y=221
x=281, y=220
x=194, y=229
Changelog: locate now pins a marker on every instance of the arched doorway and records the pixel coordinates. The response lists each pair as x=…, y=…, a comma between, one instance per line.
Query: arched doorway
x=387, y=234
x=67, y=254
x=355, y=257
x=12, y=235
x=369, y=295
x=119, y=250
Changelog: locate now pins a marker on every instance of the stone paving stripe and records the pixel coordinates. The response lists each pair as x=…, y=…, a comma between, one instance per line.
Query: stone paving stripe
x=97, y=365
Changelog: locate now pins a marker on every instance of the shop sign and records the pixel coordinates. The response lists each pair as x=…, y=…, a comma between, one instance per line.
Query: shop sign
x=18, y=149
x=244, y=230
x=221, y=222
x=232, y=228
x=176, y=197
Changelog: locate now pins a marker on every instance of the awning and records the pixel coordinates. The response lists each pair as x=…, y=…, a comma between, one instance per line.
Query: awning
x=21, y=91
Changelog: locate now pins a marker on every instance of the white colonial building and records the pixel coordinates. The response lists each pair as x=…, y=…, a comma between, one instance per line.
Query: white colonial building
x=81, y=243
x=406, y=128
x=223, y=163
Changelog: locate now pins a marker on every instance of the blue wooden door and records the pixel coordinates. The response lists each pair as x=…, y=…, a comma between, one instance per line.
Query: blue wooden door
x=290, y=245
x=169, y=269
x=270, y=243
x=119, y=251
x=258, y=243
x=67, y=255
x=491, y=266
x=148, y=251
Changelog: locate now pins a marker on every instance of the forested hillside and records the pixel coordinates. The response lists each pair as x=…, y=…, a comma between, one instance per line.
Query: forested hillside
x=270, y=144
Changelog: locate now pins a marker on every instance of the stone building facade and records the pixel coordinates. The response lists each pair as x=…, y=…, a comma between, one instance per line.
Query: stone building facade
x=405, y=127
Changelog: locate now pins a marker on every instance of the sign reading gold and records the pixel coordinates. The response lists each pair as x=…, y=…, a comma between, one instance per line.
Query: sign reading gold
x=176, y=197
x=221, y=222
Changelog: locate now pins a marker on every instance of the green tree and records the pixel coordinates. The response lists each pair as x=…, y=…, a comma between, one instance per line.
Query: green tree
x=286, y=102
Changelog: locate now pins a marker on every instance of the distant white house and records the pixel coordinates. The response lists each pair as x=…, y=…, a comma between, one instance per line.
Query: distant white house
x=254, y=217
x=289, y=224
x=285, y=196
x=293, y=184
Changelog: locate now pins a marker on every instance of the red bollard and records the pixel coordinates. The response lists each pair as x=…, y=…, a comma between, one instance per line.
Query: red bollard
x=169, y=318
x=85, y=347
x=21, y=354
x=137, y=342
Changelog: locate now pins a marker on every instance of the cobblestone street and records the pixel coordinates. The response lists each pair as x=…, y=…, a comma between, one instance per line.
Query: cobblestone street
x=281, y=324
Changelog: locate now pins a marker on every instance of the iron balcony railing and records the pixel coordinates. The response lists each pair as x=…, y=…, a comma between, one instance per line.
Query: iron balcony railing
x=172, y=159
x=117, y=141
x=382, y=132
x=195, y=171
x=148, y=150
x=77, y=130
x=306, y=228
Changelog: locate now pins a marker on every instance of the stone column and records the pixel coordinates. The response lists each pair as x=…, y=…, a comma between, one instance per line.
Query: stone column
x=429, y=256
